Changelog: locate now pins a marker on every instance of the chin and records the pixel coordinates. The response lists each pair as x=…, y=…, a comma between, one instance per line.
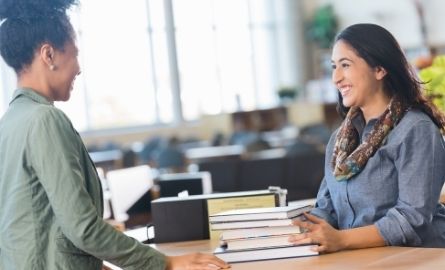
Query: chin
x=348, y=102
x=65, y=98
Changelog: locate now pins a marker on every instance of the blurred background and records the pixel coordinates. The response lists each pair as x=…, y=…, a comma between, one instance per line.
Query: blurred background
x=158, y=63
x=188, y=85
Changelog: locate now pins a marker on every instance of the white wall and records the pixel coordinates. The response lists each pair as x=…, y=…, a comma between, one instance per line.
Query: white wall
x=292, y=65
x=398, y=16
x=435, y=21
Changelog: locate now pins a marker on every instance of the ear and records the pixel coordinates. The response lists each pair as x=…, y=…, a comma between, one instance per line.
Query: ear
x=47, y=54
x=380, y=73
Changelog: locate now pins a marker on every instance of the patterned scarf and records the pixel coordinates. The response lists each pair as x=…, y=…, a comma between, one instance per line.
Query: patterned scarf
x=349, y=157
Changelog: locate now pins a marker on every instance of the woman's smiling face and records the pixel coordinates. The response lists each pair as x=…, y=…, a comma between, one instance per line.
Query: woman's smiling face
x=357, y=82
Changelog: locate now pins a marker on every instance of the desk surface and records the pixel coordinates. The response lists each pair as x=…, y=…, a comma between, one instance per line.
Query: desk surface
x=373, y=258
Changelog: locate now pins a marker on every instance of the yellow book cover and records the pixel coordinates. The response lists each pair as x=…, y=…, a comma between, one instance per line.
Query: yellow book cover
x=224, y=204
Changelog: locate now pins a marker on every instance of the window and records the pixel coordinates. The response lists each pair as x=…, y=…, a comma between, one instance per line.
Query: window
x=225, y=53
x=117, y=85
x=7, y=85
x=2, y=102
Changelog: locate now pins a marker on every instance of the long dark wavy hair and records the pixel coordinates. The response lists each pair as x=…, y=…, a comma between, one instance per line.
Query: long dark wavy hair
x=27, y=24
x=378, y=47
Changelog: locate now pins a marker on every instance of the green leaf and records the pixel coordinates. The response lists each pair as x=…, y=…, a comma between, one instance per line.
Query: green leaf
x=434, y=79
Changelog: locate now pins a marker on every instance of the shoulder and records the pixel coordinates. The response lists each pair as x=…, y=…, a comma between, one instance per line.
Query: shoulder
x=415, y=116
x=415, y=124
x=415, y=121
x=45, y=113
x=48, y=118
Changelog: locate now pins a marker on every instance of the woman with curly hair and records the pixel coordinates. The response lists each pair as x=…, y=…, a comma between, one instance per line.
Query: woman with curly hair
x=50, y=195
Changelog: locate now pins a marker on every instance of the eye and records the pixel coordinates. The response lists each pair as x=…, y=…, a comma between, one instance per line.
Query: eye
x=333, y=66
x=345, y=65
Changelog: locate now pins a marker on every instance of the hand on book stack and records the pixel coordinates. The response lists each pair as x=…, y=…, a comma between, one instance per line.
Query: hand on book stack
x=259, y=234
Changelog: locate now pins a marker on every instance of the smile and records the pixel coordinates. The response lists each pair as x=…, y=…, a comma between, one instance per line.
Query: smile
x=344, y=89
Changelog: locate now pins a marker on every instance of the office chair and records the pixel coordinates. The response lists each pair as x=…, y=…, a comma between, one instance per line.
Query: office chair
x=127, y=186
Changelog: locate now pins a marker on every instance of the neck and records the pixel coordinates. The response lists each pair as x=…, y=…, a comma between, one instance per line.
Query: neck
x=29, y=80
x=375, y=109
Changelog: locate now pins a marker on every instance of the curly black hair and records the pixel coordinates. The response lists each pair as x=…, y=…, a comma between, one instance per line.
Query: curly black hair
x=27, y=24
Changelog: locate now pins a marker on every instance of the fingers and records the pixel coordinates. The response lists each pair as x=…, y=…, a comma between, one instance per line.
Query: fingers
x=195, y=261
x=211, y=259
x=313, y=218
x=322, y=249
x=203, y=266
x=304, y=241
x=297, y=237
x=304, y=225
x=301, y=239
x=310, y=224
x=319, y=249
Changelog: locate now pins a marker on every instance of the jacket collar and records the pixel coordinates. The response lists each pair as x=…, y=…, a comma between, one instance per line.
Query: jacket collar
x=31, y=94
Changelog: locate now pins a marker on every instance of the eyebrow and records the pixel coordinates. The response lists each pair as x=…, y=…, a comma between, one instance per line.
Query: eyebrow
x=342, y=59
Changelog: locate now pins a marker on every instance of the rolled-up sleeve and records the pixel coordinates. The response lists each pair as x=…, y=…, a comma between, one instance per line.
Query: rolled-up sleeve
x=420, y=163
x=55, y=160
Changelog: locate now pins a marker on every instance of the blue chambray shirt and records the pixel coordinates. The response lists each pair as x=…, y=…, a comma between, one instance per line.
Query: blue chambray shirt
x=398, y=190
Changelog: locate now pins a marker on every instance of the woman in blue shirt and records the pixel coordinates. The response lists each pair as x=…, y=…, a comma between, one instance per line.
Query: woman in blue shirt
x=385, y=165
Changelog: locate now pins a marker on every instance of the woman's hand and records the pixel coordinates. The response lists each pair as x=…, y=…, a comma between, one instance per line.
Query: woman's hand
x=195, y=261
x=318, y=231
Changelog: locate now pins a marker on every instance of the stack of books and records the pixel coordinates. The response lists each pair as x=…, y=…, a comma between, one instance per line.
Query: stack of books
x=259, y=234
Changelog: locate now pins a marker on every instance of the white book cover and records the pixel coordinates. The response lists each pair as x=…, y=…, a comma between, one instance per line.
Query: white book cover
x=264, y=253
x=284, y=212
x=260, y=242
x=252, y=224
x=259, y=232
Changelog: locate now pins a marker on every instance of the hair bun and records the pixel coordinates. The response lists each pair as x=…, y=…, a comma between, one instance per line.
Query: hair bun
x=32, y=8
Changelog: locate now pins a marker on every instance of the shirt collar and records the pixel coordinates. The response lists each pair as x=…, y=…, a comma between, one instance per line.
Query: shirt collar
x=359, y=123
x=32, y=94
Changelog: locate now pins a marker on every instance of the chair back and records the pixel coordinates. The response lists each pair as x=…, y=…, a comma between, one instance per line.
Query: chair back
x=127, y=186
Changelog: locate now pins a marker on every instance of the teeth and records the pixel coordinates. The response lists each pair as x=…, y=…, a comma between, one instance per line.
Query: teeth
x=344, y=89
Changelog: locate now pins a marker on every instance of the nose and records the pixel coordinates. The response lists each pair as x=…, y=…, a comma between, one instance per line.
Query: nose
x=337, y=76
x=77, y=67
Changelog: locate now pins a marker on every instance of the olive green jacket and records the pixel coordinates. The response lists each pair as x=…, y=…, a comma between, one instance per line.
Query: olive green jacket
x=51, y=199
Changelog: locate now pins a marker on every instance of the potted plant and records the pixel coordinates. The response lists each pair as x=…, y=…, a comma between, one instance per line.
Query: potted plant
x=434, y=79
x=287, y=94
x=322, y=27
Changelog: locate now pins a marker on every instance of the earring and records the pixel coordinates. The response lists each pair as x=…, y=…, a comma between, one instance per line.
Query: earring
x=52, y=67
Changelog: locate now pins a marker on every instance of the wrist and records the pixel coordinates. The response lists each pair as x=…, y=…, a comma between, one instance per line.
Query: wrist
x=344, y=242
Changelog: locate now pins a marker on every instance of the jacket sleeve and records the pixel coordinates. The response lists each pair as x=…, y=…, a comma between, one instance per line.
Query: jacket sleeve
x=420, y=163
x=54, y=155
